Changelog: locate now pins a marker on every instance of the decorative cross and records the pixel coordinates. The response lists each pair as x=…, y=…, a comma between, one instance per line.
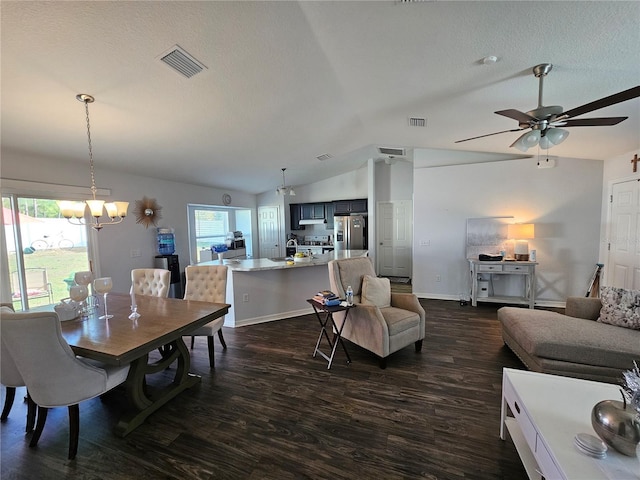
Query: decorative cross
x=635, y=161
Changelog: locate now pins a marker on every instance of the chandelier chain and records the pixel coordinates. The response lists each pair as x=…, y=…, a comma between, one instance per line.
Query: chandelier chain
x=93, y=178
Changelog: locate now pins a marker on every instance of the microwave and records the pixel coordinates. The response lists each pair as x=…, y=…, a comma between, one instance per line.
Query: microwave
x=237, y=243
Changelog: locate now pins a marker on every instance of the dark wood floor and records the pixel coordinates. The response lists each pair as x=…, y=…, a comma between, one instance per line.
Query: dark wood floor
x=270, y=410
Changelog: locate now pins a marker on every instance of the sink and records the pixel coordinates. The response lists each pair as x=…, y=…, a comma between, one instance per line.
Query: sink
x=278, y=259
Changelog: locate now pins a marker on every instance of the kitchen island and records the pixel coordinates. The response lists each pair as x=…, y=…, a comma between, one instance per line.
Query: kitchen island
x=262, y=290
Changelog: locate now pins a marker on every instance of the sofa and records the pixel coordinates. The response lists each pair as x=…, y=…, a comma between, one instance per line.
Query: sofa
x=574, y=344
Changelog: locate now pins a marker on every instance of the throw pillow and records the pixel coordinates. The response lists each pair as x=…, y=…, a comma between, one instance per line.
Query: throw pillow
x=620, y=307
x=376, y=291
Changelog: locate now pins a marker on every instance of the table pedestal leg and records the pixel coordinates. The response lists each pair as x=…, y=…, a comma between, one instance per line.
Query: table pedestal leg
x=144, y=400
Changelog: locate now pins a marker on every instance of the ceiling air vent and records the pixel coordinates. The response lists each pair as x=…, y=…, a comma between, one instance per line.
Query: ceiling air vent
x=417, y=122
x=181, y=61
x=324, y=156
x=398, y=152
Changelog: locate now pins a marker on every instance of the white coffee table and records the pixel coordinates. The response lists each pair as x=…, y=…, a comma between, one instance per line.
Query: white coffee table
x=544, y=414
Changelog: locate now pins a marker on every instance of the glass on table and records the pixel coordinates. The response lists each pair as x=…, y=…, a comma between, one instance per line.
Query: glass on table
x=103, y=285
x=79, y=293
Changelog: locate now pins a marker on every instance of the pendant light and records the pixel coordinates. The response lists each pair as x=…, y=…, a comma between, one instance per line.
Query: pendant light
x=284, y=189
x=74, y=211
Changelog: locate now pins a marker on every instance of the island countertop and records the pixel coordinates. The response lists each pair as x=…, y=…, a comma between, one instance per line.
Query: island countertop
x=261, y=264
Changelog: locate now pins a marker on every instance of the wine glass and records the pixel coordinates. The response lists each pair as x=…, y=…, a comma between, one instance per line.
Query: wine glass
x=103, y=285
x=79, y=293
x=84, y=278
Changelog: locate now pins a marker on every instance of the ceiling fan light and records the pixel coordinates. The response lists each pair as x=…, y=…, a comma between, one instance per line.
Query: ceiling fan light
x=526, y=140
x=556, y=135
x=545, y=143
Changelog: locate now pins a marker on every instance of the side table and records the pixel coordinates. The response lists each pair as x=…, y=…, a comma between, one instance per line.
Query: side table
x=328, y=321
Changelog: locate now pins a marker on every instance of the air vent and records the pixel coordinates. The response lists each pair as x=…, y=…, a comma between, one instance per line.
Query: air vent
x=181, y=61
x=398, y=152
x=417, y=122
x=324, y=156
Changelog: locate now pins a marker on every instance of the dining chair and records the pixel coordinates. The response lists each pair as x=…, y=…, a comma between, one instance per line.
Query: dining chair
x=150, y=281
x=207, y=284
x=54, y=376
x=10, y=377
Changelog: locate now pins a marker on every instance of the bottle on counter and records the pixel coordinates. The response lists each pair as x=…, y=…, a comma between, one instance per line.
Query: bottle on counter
x=349, y=295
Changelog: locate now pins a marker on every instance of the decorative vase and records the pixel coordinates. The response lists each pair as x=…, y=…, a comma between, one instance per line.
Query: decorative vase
x=618, y=425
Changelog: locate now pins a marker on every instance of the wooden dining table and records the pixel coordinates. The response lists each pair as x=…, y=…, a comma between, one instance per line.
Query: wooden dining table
x=120, y=341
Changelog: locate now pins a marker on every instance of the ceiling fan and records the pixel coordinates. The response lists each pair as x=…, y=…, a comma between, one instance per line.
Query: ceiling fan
x=545, y=120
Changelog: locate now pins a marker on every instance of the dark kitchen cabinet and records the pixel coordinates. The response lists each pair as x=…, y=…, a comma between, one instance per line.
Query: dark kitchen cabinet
x=350, y=206
x=312, y=211
x=329, y=210
x=295, y=212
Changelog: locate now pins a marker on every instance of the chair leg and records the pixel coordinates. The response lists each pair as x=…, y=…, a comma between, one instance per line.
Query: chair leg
x=31, y=413
x=224, y=345
x=192, y=341
x=74, y=430
x=212, y=358
x=42, y=418
x=8, y=403
x=419, y=346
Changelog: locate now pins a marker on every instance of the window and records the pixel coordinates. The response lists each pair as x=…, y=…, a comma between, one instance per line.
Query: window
x=208, y=226
x=41, y=251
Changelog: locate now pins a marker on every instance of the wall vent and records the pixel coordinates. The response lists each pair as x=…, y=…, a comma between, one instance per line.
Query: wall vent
x=181, y=61
x=417, y=122
x=398, y=152
x=324, y=156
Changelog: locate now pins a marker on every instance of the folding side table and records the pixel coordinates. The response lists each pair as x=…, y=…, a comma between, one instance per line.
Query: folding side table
x=328, y=321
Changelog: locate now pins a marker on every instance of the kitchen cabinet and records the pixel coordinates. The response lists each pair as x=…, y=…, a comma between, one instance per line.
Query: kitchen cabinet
x=329, y=210
x=350, y=206
x=312, y=211
x=295, y=212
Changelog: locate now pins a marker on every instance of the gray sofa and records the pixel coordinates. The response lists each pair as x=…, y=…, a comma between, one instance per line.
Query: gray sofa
x=573, y=344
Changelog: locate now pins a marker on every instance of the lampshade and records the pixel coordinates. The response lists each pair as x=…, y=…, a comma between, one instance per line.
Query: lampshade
x=521, y=231
x=527, y=140
x=556, y=135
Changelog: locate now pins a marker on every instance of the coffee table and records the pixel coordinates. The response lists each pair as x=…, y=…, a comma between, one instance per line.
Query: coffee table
x=543, y=413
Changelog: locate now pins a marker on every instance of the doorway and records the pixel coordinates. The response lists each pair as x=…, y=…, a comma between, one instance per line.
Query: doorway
x=394, y=223
x=269, y=232
x=623, y=266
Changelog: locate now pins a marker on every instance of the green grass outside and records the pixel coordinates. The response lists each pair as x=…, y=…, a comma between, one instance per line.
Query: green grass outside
x=60, y=265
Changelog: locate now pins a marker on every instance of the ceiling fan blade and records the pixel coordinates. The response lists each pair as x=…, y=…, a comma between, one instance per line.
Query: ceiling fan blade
x=517, y=115
x=592, y=122
x=603, y=102
x=489, y=134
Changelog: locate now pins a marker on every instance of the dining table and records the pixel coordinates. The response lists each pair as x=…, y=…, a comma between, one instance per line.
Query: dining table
x=120, y=341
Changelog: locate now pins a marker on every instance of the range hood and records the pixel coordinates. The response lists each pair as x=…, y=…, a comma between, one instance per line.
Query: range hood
x=315, y=221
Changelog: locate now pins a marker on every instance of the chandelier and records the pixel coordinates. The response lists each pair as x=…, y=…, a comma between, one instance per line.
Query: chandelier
x=74, y=211
x=284, y=189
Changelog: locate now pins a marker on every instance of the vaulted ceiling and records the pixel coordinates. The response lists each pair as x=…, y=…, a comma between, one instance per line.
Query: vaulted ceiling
x=286, y=82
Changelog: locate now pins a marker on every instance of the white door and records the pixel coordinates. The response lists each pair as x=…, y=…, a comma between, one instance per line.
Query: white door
x=394, y=235
x=269, y=232
x=623, y=268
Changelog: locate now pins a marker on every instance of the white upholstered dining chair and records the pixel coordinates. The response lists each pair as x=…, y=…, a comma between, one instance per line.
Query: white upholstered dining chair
x=10, y=377
x=54, y=376
x=207, y=284
x=153, y=282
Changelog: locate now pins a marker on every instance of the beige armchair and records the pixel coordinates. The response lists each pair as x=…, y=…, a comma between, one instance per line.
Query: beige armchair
x=207, y=284
x=153, y=282
x=379, y=329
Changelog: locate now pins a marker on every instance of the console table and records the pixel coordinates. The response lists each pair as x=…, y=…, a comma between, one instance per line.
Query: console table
x=543, y=413
x=526, y=270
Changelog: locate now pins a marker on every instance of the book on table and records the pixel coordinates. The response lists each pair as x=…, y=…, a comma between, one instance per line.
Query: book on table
x=327, y=297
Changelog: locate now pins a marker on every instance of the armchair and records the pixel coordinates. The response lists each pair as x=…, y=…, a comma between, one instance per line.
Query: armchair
x=377, y=328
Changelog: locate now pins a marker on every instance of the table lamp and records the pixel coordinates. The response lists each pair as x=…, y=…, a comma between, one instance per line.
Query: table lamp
x=520, y=233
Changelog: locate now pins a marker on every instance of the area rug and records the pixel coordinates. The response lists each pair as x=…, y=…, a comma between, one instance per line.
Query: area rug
x=399, y=279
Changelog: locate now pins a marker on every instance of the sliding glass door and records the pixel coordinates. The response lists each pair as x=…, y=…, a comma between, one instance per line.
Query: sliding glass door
x=41, y=251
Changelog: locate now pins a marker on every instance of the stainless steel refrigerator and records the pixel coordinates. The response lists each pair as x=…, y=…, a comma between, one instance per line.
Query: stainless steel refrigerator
x=350, y=232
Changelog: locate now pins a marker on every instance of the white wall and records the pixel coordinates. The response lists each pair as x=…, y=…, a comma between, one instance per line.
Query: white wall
x=116, y=242
x=563, y=202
